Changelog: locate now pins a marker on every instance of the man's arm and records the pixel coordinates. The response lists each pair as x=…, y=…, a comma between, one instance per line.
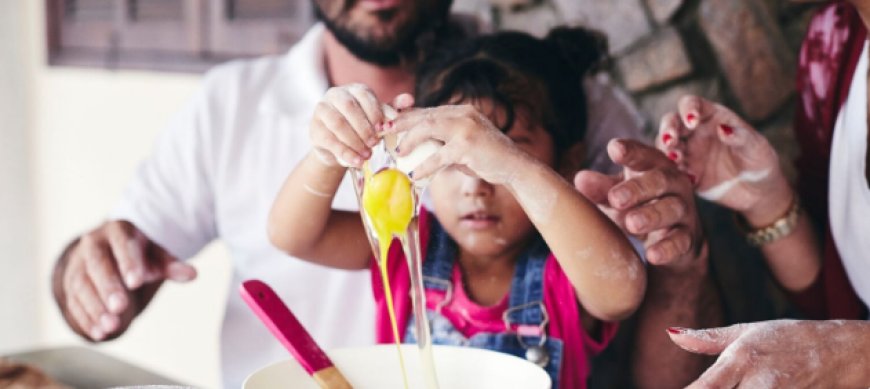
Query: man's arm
x=674, y=299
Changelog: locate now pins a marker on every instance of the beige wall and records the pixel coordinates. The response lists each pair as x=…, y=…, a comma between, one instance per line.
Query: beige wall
x=71, y=139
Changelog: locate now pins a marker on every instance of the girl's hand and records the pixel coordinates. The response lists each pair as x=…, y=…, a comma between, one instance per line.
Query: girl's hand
x=782, y=354
x=729, y=162
x=346, y=122
x=470, y=141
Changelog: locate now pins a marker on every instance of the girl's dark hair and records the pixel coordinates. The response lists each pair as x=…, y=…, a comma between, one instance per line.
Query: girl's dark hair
x=541, y=78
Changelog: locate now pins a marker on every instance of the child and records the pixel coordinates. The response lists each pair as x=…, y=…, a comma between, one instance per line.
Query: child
x=515, y=259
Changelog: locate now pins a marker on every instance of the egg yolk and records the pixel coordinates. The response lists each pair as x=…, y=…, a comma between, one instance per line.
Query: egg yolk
x=388, y=201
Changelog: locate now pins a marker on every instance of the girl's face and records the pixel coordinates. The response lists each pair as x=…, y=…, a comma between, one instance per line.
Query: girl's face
x=484, y=219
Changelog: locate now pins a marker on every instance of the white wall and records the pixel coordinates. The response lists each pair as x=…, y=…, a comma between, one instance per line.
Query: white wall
x=17, y=230
x=87, y=130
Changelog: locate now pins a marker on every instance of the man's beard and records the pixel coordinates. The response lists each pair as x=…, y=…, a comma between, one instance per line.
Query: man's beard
x=383, y=52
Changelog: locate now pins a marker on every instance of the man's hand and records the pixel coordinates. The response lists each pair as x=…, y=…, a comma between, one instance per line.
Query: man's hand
x=651, y=199
x=98, y=280
x=782, y=354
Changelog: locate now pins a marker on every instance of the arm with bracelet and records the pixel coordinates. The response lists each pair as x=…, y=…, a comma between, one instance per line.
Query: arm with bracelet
x=733, y=165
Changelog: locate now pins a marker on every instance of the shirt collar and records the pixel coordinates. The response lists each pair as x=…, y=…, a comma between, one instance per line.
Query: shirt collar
x=301, y=79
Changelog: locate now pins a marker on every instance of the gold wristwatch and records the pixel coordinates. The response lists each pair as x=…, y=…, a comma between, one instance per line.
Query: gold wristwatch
x=779, y=228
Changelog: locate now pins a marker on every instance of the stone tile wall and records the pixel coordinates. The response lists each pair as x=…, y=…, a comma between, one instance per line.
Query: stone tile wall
x=739, y=52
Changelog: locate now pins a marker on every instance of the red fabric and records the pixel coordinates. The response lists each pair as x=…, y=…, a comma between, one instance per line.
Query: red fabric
x=560, y=301
x=827, y=61
x=467, y=316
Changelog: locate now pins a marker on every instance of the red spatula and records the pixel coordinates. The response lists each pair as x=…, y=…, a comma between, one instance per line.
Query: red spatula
x=281, y=322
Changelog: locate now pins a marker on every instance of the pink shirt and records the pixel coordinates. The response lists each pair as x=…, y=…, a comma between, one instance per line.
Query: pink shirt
x=470, y=318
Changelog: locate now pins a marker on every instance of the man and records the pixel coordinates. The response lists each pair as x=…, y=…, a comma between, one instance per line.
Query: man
x=214, y=174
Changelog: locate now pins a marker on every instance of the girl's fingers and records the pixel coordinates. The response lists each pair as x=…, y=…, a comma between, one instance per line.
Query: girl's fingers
x=371, y=106
x=437, y=161
x=337, y=124
x=347, y=105
x=343, y=154
x=403, y=101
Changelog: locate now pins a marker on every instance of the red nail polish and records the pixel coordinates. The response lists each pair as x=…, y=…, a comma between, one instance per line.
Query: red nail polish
x=728, y=130
x=389, y=125
x=690, y=118
x=676, y=330
x=692, y=178
x=666, y=138
x=672, y=156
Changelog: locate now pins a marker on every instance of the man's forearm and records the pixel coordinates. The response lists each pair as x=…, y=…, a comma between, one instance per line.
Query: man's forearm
x=688, y=299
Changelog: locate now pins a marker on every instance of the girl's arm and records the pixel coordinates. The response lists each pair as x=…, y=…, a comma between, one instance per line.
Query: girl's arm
x=593, y=252
x=595, y=255
x=302, y=222
x=736, y=167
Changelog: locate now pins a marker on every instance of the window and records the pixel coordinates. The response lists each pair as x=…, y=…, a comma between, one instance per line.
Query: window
x=173, y=35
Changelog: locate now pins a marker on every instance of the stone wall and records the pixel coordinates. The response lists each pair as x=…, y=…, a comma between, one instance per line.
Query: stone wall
x=739, y=52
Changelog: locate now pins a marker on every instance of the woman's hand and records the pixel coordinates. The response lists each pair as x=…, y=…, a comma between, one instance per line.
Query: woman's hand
x=729, y=162
x=470, y=141
x=346, y=123
x=782, y=354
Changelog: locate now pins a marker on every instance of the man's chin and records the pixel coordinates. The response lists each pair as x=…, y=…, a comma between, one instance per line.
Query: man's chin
x=369, y=49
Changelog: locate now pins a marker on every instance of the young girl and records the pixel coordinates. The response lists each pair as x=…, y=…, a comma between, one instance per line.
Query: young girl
x=515, y=259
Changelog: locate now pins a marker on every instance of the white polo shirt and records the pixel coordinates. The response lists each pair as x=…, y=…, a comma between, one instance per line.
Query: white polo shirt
x=215, y=172
x=217, y=168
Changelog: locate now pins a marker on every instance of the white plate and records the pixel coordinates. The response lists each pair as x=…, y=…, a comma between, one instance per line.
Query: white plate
x=377, y=367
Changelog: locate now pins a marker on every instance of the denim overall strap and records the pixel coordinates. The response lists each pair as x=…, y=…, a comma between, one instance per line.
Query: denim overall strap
x=440, y=255
x=526, y=313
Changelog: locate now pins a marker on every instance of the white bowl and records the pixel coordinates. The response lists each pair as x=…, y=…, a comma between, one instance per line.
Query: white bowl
x=377, y=367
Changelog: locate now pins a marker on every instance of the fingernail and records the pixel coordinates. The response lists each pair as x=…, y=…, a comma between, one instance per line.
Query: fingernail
x=366, y=154
x=357, y=161
x=677, y=330
x=116, y=302
x=666, y=138
x=108, y=322
x=388, y=125
x=372, y=142
x=379, y=126
x=672, y=155
x=132, y=280
x=621, y=196
x=692, y=178
x=690, y=119
x=397, y=150
x=639, y=221
x=97, y=333
x=727, y=130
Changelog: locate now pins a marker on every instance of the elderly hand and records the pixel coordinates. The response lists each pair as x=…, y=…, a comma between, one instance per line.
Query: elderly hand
x=730, y=163
x=650, y=199
x=782, y=354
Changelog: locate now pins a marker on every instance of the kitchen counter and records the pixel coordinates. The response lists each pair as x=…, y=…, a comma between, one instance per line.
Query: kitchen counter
x=85, y=368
